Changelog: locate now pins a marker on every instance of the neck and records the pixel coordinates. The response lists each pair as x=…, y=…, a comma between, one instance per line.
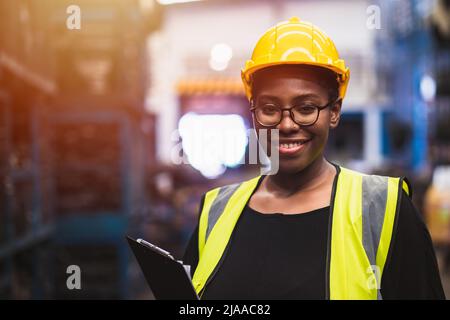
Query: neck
x=313, y=176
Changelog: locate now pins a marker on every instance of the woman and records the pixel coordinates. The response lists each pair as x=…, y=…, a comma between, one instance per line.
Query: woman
x=312, y=230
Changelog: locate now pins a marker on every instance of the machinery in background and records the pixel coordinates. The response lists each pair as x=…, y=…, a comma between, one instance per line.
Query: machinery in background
x=437, y=203
x=75, y=144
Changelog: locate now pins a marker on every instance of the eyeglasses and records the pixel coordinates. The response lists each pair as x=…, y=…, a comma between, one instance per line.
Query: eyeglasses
x=270, y=115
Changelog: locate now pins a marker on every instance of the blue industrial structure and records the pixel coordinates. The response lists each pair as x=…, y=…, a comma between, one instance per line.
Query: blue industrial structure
x=404, y=48
x=74, y=145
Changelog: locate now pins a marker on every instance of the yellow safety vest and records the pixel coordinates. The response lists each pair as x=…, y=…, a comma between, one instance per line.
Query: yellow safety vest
x=362, y=216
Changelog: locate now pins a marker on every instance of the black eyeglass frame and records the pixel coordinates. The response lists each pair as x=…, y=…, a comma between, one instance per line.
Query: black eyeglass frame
x=319, y=108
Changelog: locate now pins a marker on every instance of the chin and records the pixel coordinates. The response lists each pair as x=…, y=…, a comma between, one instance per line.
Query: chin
x=290, y=166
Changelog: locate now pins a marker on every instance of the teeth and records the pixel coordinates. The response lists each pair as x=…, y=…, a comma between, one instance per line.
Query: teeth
x=292, y=145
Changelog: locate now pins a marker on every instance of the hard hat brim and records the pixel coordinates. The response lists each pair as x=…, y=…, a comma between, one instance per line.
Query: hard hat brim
x=342, y=75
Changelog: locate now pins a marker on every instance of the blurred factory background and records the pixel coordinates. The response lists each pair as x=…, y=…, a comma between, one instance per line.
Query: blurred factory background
x=91, y=120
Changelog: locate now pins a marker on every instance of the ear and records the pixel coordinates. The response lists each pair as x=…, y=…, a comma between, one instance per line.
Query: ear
x=335, y=113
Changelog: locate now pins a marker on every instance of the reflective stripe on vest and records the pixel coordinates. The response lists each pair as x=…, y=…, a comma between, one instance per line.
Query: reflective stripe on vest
x=362, y=219
x=363, y=215
x=233, y=200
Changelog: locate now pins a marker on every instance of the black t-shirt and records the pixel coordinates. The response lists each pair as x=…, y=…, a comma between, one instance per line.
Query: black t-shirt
x=281, y=256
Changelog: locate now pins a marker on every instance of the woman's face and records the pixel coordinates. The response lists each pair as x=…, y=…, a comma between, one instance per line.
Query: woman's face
x=290, y=85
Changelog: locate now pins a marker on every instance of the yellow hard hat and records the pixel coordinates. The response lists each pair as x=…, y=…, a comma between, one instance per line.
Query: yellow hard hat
x=295, y=42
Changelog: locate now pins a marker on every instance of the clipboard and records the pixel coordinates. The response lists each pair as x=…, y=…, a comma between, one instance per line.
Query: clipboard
x=167, y=277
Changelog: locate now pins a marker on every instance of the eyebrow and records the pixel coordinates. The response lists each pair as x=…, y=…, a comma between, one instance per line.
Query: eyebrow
x=296, y=98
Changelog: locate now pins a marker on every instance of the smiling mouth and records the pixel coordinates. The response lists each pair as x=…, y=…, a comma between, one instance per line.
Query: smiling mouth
x=292, y=147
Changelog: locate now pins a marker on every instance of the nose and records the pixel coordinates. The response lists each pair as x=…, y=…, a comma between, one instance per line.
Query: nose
x=287, y=124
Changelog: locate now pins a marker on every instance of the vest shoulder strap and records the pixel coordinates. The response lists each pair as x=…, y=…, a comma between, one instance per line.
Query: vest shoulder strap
x=367, y=205
x=221, y=210
x=213, y=207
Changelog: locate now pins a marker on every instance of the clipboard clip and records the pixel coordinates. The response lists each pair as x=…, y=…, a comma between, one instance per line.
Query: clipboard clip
x=152, y=246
